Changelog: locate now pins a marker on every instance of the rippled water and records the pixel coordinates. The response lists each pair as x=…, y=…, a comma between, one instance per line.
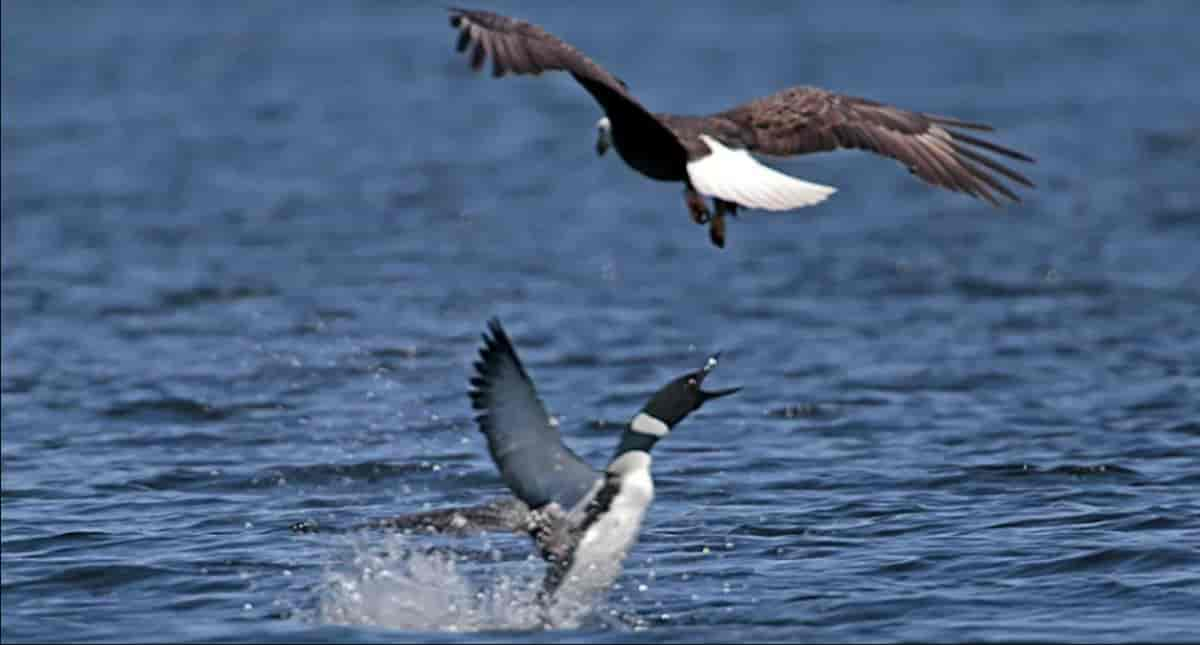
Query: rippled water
x=248, y=253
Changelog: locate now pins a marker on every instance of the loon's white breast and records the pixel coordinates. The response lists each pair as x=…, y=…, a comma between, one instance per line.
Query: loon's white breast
x=597, y=559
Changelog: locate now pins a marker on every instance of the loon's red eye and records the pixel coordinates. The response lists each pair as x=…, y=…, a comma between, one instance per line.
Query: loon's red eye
x=692, y=382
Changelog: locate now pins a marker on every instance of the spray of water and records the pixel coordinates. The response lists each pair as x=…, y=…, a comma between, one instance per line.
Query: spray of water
x=389, y=581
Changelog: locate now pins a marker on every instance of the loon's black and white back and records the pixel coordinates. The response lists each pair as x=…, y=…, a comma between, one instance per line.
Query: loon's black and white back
x=584, y=521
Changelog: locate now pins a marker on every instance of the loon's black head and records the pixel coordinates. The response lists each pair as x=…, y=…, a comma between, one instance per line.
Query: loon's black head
x=683, y=396
x=668, y=407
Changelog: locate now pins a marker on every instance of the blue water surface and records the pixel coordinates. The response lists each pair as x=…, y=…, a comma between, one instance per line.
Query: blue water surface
x=249, y=248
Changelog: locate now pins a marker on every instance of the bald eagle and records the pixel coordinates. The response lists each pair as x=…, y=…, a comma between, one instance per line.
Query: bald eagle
x=711, y=154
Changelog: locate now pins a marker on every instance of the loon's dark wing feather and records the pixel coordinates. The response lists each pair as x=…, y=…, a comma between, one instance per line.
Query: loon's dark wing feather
x=802, y=120
x=525, y=445
x=504, y=514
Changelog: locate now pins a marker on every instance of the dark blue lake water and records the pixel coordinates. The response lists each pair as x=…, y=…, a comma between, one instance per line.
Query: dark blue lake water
x=248, y=252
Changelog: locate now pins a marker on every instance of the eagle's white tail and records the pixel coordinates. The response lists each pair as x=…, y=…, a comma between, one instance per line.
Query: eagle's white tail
x=735, y=176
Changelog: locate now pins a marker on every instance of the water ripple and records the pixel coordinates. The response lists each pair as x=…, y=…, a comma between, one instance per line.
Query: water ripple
x=248, y=250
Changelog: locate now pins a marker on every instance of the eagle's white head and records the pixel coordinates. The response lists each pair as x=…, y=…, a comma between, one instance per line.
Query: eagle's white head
x=603, y=136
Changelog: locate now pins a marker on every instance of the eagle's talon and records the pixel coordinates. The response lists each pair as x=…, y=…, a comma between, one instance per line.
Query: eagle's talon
x=697, y=208
x=716, y=231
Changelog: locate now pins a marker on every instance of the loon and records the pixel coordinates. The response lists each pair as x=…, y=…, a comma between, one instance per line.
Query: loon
x=711, y=154
x=582, y=520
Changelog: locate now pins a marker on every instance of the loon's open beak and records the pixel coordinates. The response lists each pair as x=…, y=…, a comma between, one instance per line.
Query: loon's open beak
x=709, y=366
x=716, y=394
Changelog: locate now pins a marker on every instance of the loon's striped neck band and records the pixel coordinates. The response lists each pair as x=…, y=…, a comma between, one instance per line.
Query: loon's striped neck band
x=645, y=424
x=640, y=436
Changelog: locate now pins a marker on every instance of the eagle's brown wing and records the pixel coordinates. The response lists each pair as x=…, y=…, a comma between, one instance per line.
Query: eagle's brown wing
x=800, y=120
x=523, y=48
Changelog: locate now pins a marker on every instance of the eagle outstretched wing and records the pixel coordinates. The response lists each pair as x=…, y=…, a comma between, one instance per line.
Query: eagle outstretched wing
x=521, y=47
x=801, y=120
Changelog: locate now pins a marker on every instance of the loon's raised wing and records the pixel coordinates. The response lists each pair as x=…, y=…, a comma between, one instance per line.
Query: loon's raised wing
x=524, y=443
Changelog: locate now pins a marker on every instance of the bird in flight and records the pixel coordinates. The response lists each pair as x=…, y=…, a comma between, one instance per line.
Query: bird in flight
x=711, y=154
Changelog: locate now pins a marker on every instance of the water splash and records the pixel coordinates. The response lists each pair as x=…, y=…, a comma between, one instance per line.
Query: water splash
x=392, y=583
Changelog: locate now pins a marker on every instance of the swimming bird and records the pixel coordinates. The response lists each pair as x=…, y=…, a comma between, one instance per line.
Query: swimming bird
x=711, y=154
x=582, y=520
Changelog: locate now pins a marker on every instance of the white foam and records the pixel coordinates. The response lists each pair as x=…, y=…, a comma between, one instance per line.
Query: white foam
x=391, y=582
x=396, y=582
